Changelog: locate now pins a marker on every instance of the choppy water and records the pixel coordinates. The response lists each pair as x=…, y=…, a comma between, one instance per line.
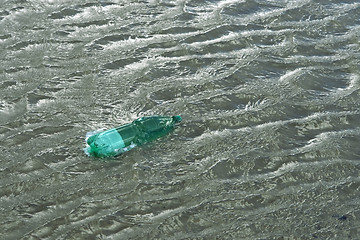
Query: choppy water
x=268, y=90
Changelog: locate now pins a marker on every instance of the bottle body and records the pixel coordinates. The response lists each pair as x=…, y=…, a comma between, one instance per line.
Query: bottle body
x=115, y=141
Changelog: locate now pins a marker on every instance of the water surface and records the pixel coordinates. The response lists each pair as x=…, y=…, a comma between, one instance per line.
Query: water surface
x=269, y=94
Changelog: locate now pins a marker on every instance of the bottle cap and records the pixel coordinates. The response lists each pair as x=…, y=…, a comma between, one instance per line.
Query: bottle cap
x=177, y=119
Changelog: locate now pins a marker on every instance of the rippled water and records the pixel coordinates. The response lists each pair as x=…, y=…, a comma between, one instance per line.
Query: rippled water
x=268, y=90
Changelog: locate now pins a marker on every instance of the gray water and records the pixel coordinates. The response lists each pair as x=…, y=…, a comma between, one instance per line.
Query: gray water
x=269, y=91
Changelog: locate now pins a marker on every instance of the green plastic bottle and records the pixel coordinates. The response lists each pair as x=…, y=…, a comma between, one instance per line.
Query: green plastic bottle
x=115, y=141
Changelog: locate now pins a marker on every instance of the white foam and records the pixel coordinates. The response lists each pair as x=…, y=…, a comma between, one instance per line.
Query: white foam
x=291, y=75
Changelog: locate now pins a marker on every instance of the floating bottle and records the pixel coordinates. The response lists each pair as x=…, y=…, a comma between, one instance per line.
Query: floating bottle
x=115, y=141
